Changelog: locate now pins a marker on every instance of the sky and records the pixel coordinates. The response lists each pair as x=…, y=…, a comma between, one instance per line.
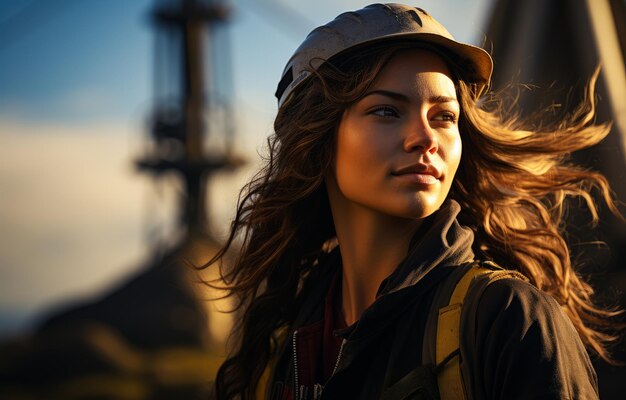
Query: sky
x=75, y=94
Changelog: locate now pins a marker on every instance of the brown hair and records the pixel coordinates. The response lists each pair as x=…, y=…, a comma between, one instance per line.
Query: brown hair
x=511, y=185
x=512, y=188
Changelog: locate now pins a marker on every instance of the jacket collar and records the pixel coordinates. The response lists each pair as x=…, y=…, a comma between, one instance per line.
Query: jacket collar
x=440, y=241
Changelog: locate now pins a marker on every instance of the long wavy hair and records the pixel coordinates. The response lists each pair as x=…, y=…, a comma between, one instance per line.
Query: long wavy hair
x=512, y=185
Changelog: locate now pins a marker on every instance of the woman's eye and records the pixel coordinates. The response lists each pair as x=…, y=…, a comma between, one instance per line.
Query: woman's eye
x=385, y=112
x=445, y=116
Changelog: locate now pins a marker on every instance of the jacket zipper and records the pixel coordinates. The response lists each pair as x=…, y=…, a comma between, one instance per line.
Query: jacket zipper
x=295, y=364
x=317, y=390
x=343, y=342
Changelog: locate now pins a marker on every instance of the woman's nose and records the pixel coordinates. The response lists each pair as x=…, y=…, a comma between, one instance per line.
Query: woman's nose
x=421, y=137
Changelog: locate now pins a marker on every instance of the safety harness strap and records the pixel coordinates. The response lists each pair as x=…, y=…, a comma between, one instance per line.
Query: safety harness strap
x=262, y=387
x=447, y=349
x=449, y=378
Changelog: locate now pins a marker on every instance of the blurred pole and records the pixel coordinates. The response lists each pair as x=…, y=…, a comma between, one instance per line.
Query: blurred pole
x=605, y=15
x=193, y=83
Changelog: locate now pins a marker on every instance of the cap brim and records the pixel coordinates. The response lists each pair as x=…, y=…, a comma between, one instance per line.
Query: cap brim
x=475, y=61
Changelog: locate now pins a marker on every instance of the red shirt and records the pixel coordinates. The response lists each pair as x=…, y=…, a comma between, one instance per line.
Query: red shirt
x=317, y=346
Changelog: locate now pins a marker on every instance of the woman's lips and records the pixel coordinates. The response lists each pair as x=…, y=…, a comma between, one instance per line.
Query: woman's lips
x=418, y=178
x=419, y=169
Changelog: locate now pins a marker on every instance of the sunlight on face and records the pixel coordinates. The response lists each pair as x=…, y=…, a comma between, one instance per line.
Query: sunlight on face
x=399, y=147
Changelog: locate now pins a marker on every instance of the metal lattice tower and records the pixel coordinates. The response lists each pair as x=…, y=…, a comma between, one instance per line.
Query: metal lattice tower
x=189, y=98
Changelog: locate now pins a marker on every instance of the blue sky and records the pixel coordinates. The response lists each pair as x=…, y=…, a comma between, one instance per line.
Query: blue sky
x=75, y=92
x=91, y=59
x=91, y=51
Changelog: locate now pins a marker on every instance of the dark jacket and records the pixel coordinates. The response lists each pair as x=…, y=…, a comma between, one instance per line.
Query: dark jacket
x=516, y=342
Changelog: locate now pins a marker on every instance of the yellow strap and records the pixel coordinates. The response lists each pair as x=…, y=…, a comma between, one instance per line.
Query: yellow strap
x=449, y=379
x=262, y=386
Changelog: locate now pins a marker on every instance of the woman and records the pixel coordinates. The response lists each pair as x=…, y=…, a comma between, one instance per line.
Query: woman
x=388, y=175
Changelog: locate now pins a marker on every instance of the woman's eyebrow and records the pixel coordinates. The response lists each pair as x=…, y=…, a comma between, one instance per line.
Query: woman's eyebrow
x=404, y=98
x=390, y=94
x=443, y=99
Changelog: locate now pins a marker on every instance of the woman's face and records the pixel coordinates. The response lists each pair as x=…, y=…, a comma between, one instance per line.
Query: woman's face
x=399, y=146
